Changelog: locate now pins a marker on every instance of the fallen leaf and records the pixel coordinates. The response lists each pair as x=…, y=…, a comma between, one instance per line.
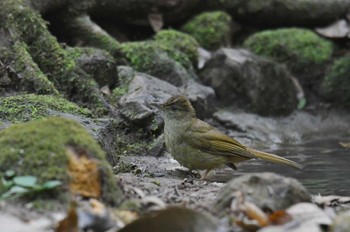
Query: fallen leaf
x=69, y=223
x=346, y=145
x=279, y=217
x=84, y=173
x=156, y=21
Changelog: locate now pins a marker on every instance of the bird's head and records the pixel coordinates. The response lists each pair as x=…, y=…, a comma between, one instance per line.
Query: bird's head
x=178, y=107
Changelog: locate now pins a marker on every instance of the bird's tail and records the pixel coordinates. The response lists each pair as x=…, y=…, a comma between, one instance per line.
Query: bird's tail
x=274, y=158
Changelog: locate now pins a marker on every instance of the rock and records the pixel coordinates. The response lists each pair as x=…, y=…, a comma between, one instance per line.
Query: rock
x=336, y=83
x=172, y=39
x=148, y=57
x=38, y=148
x=306, y=217
x=144, y=92
x=302, y=50
x=137, y=105
x=98, y=63
x=212, y=30
x=243, y=79
x=202, y=98
x=341, y=222
x=27, y=107
x=138, y=11
x=266, y=190
x=274, y=13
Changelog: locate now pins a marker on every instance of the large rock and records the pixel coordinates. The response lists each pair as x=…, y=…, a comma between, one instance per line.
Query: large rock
x=253, y=83
x=144, y=92
x=202, y=98
x=212, y=30
x=38, y=148
x=336, y=83
x=341, y=222
x=266, y=190
x=282, y=12
x=148, y=57
x=303, y=51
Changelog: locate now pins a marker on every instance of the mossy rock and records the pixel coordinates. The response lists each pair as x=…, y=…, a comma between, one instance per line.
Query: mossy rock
x=28, y=107
x=96, y=62
x=150, y=58
x=175, y=41
x=336, y=83
x=38, y=148
x=211, y=29
x=300, y=49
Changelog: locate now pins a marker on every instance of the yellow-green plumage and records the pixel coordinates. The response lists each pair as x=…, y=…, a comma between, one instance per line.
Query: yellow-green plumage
x=197, y=145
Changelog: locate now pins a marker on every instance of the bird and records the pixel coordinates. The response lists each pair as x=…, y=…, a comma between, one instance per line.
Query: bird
x=197, y=145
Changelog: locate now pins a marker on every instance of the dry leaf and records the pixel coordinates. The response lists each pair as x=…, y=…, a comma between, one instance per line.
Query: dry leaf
x=279, y=217
x=250, y=210
x=84, y=173
x=106, y=90
x=69, y=223
x=156, y=21
x=346, y=145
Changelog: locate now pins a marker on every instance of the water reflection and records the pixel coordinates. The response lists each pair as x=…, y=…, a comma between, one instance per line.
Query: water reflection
x=326, y=171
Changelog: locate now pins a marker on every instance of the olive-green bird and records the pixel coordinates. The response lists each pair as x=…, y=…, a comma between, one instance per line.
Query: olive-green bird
x=198, y=146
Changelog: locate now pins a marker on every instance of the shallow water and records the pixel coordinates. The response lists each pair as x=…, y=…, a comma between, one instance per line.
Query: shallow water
x=326, y=165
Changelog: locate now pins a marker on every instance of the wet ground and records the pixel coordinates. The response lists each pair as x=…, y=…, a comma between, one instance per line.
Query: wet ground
x=309, y=139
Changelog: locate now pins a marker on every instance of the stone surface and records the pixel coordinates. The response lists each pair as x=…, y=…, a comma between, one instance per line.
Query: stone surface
x=202, y=98
x=243, y=79
x=144, y=91
x=306, y=217
x=266, y=190
x=341, y=222
x=139, y=104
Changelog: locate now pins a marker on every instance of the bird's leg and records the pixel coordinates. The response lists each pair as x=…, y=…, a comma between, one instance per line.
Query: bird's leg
x=205, y=175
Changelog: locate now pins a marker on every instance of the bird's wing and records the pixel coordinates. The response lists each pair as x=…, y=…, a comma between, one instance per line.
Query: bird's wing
x=208, y=139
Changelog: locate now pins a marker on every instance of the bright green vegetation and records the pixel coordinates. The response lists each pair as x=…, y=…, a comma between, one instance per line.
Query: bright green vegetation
x=38, y=148
x=211, y=29
x=336, y=84
x=28, y=107
x=298, y=48
x=175, y=42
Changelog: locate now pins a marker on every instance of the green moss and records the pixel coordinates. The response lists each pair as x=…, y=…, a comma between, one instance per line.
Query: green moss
x=27, y=26
x=211, y=29
x=28, y=107
x=31, y=78
x=298, y=48
x=175, y=42
x=149, y=57
x=336, y=83
x=38, y=148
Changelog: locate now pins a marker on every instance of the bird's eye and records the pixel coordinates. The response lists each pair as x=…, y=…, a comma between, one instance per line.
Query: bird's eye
x=173, y=108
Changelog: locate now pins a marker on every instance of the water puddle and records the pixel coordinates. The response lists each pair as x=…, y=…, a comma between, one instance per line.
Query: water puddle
x=326, y=166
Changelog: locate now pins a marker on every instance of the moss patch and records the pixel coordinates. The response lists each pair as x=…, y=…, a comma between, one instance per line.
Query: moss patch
x=38, y=148
x=298, y=48
x=27, y=26
x=28, y=107
x=336, y=83
x=150, y=58
x=175, y=42
x=211, y=29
